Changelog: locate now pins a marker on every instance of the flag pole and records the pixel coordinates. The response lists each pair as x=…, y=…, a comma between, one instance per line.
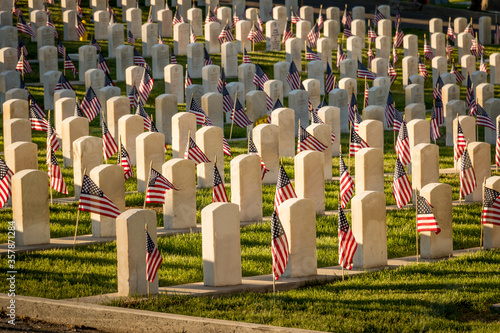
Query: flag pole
x=102, y=122
x=146, y=227
x=149, y=176
x=78, y=215
x=49, y=158
x=416, y=221
x=232, y=117
x=481, y=238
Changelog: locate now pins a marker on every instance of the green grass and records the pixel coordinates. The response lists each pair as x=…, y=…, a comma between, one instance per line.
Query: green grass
x=452, y=295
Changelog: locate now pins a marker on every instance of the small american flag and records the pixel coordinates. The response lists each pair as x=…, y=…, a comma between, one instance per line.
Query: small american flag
x=239, y=116
x=363, y=72
x=52, y=142
x=467, y=176
x=23, y=26
x=340, y=55
x=80, y=27
x=145, y=116
x=78, y=111
x=293, y=77
x=399, y=37
x=370, y=56
x=255, y=35
x=310, y=55
x=394, y=55
x=347, y=32
x=287, y=33
x=403, y=145
x=23, y=65
x=207, y=60
x=469, y=28
x=130, y=38
x=198, y=112
x=425, y=218
x=392, y=73
x=451, y=33
x=308, y=142
x=102, y=65
x=295, y=18
x=460, y=143
x=177, y=18
x=157, y=186
x=108, y=81
x=124, y=161
x=470, y=93
x=210, y=17
x=60, y=47
x=153, y=259
x=448, y=50
x=497, y=148
x=401, y=188
x=192, y=35
x=367, y=89
x=483, y=119
x=34, y=104
x=346, y=18
x=50, y=23
x=279, y=246
x=219, y=192
x=356, y=143
x=235, y=19
x=68, y=64
x=246, y=57
x=346, y=183
x=226, y=35
x=109, y=145
x=93, y=199
x=277, y=105
x=457, y=73
x=422, y=71
x=476, y=49
x=5, y=182
x=377, y=16
x=437, y=89
x=398, y=16
x=491, y=207
x=133, y=97
x=222, y=80
x=38, y=122
x=55, y=175
x=439, y=111
x=472, y=103
x=398, y=120
x=371, y=34
x=357, y=120
x=427, y=50
x=435, y=132
x=90, y=105
x=225, y=146
x=390, y=109
x=261, y=77
x=193, y=152
x=284, y=189
x=313, y=35
x=330, y=79
x=347, y=242
x=93, y=42
x=63, y=83
x=227, y=101
x=483, y=67
x=252, y=149
x=352, y=108
x=140, y=61
x=21, y=48
x=145, y=86
x=188, y=81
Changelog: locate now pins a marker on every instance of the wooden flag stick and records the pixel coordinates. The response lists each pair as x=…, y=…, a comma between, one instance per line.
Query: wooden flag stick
x=149, y=176
x=232, y=117
x=78, y=215
x=416, y=220
x=481, y=238
x=186, y=153
x=146, y=227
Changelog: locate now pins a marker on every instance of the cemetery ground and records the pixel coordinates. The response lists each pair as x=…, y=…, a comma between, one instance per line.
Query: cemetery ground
x=449, y=295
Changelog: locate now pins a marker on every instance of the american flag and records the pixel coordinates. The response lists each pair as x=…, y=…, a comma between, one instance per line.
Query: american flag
x=310, y=55
x=483, y=67
x=450, y=32
x=448, y=50
x=340, y=55
x=23, y=65
x=398, y=38
x=346, y=18
x=157, y=186
x=145, y=116
x=398, y=16
x=392, y=73
x=377, y=16
x=284, y=189
x=219, y=192
x=90, y=105
x=363, y=72
x=394, y=55
x=246, y=57
x=483, y=119
x=24, y=27
x=457, y=73
x=60, y=47
x=403, y=145
x=38, y=122
x=109, y=145
x=210, y=17
x=491, y=207
x=472, y=102
x=130, y=38
x=356, y=143
x=5, y=182
x=239, y=116
x=427, y=50
x=227, y=101
x=477, y=49
x=194, y=153
x=108, y=81
x=55, y=175
x=93, y=199
x=226, y=35
x=80, y=27
x=390, y=109
x=460, y=143
x=370, y=56
x=467, y=176
x=222, y=81
x=133, y=97
x=63, y=83
x=425, y=218
x=347, y=32
x=21, y=48
x=352, y=108
x=198, y=112
x=470, y=92
x=330, y=79
x=308, y=142
x=50, y=23
x=78, y=111
x=261, y=77
x=124, y=161
x=140, y=61
x=52, y=142
x=422, y=71
x=287, y=34
x=188, y=81
x=207, y=59
x=94, y=43
x=295, y=17
x=497, y=34
x=153, y=259
x=68, y=64
x=497, y=148
x=439, y=111
x=255, y=35
x=437, y=89
x=313, y=35
x=346, y=183
x=145, y=86
x=435, y=132
x=252, y=149
x=177, y=17
x=293, y=77
x=192, y=35
x=371, y=34
x=401, y=188
x=347, y=243
x=235, y=19
x=33, y=103
x=277, y=105
x=357, y=120
x=398, y=120
x=279, y=246
x=102, y=65
x=225, y=146
x=367, y=89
